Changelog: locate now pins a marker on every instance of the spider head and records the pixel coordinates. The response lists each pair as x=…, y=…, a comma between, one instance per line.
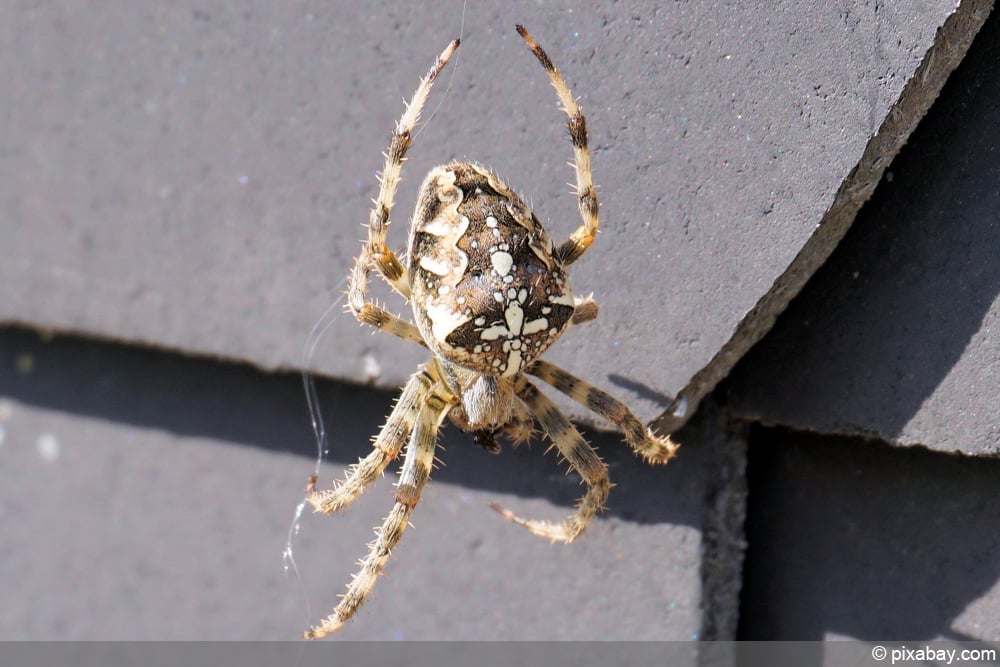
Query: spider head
x=487, y=401
x=488, y=292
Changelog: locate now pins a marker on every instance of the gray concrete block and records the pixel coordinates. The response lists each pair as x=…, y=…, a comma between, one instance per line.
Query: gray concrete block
x=854, y=540
x=149, y=496
x=896, y=336
x=197, y=179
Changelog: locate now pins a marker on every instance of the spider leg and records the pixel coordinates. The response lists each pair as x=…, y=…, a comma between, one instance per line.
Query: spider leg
x=581, y=457
x=382, y=319
x=585, y=310
x=376, y=252
x=386, y=448
x=412, y=479
x=521, y=427
x=581, y=239
x=654, y=448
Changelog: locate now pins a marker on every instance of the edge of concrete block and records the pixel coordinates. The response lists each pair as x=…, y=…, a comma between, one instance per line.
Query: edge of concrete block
x=952, y=42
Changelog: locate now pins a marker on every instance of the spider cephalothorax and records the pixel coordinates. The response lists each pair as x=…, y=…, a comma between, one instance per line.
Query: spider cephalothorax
x=490, y=294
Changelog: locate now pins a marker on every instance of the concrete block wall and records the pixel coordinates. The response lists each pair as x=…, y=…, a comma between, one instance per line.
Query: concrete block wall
x=876, y=516
x=183, y=194
x=150, y=496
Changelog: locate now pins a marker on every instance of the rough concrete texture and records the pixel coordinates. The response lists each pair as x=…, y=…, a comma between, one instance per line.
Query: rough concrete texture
x=196, y=178
x=896, y=337
x=723, y=536
x=852, y=539
x=148, y=496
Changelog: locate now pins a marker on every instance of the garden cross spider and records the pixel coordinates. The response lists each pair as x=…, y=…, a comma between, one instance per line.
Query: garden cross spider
x=490, y=294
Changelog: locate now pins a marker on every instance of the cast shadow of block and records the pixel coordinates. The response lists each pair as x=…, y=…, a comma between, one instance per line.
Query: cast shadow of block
x=850, y=538
x=238, y=404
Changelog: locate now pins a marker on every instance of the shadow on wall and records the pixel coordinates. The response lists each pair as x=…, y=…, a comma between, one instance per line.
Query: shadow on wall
x=238, y=404
x=851, y=538
x=884, y=321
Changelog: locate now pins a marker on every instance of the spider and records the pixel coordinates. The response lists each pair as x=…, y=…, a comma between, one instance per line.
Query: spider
x=490, y=294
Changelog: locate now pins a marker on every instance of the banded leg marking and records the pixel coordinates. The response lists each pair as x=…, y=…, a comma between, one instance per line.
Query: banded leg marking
x=581, y=239
x=653, y=448
x=382, y=319
x=412, y=479
x=581, y=457
x=376, y=252
x=386, y=448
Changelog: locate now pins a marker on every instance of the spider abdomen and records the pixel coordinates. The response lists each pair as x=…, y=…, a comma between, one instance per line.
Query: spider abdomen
x=488, y=293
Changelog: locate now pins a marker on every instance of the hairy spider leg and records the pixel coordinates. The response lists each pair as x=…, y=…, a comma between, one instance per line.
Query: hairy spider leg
x=580, y=240
x=376, y=251
x=581, y=457
x=584, y=310
x=386, y=448
x=412, y=479
x=653, y=448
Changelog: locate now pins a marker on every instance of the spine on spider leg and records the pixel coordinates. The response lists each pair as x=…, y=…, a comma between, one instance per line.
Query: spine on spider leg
x=387, y=445
x=378, y=223
x=358, y=284
x=654, y=449
x=581, y=458
x=587, y=202
x=415, y=473
x=371, y=567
